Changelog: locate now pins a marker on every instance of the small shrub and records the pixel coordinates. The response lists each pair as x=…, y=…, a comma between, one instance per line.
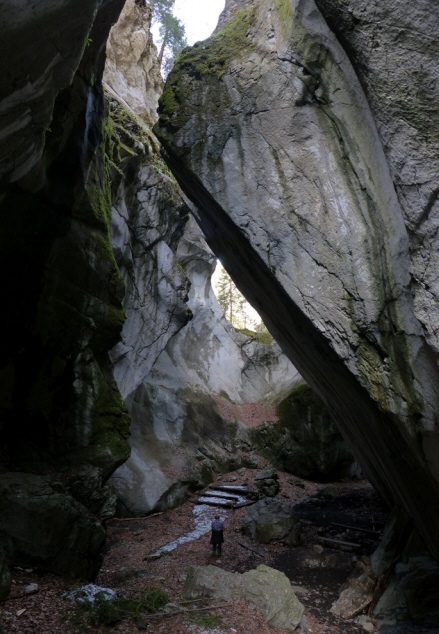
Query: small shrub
x=210, y=620
x=113, y=611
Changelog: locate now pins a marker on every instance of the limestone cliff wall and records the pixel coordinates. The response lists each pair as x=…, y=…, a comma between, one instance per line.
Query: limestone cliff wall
x=60, y=406
x=174, y=357
x=272, y=136
x=132, y=68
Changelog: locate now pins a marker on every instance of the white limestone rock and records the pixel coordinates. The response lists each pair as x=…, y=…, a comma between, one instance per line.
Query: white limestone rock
x=132, y=69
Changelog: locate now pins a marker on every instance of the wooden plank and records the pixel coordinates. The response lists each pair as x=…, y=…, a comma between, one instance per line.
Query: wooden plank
x=252, y=548
x=215, y=502
x=241, y=504
x=357, y=528
x=339, y=542
x=221, y=494
x=232, y=489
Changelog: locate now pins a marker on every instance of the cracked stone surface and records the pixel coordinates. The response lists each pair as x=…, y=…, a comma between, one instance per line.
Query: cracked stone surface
x=131, y=68
x=168, y=367
x=302, y=157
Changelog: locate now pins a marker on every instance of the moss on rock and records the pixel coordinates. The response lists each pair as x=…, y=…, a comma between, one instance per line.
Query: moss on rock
x=305, y=441
x=210, y=58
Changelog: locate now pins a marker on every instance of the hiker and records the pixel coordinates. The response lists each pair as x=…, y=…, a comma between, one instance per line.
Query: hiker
x=217, y=534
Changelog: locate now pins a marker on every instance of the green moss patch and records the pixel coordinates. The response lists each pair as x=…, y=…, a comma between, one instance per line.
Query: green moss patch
x=260, y=337
x=210, y=58
x=285, y=13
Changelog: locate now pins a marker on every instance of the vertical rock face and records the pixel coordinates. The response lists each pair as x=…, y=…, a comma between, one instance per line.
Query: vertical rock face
x=60, y=406
x=132, y=69
x=272, y=136
x=174, y=356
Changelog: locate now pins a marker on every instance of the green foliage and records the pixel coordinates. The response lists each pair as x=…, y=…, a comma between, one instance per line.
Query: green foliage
x=113, y=611
x=172, y=33
x=261, y=337
x=227, y=295
x=209, y=620
x=236, y=309
x=285, y=12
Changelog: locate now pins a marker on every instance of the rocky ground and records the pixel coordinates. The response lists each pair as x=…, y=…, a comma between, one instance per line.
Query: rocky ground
x=315, y=570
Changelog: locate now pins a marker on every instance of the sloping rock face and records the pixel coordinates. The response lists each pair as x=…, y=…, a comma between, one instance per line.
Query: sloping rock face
x=270, y=133
x=132, y=69
x=266, y=590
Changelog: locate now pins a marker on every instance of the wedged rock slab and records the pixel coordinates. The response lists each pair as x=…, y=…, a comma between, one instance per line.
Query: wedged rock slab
x=270, y=520
x=266, y=590
x=357, y=594
x=43, y=526
x=273, y=140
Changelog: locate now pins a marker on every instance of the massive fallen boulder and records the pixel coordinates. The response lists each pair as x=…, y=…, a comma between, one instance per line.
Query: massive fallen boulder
x=271, y=135
x=270, y=520
x=266, y=590
x=43, y=526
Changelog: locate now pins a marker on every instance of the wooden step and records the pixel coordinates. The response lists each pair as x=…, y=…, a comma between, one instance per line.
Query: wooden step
x=215, y=502
x=221, y=494
x=244, y=490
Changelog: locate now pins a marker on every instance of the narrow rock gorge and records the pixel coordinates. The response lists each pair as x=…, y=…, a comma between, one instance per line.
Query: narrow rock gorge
x=299, y=146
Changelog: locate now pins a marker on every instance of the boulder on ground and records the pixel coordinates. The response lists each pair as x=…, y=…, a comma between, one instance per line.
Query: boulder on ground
x=270, y=520
x=41, y=525
x=5, y=578
x=268, y=483
x=266, y=590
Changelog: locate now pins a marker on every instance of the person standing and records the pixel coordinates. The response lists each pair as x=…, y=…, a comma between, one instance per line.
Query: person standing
x=217, y=537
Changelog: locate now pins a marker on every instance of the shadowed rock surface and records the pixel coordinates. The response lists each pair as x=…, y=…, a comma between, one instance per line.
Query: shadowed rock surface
x=59, y=401
x=60, y=406
x=305, y=440
x=272, y=137
x=5, y=577
x=43, y=526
